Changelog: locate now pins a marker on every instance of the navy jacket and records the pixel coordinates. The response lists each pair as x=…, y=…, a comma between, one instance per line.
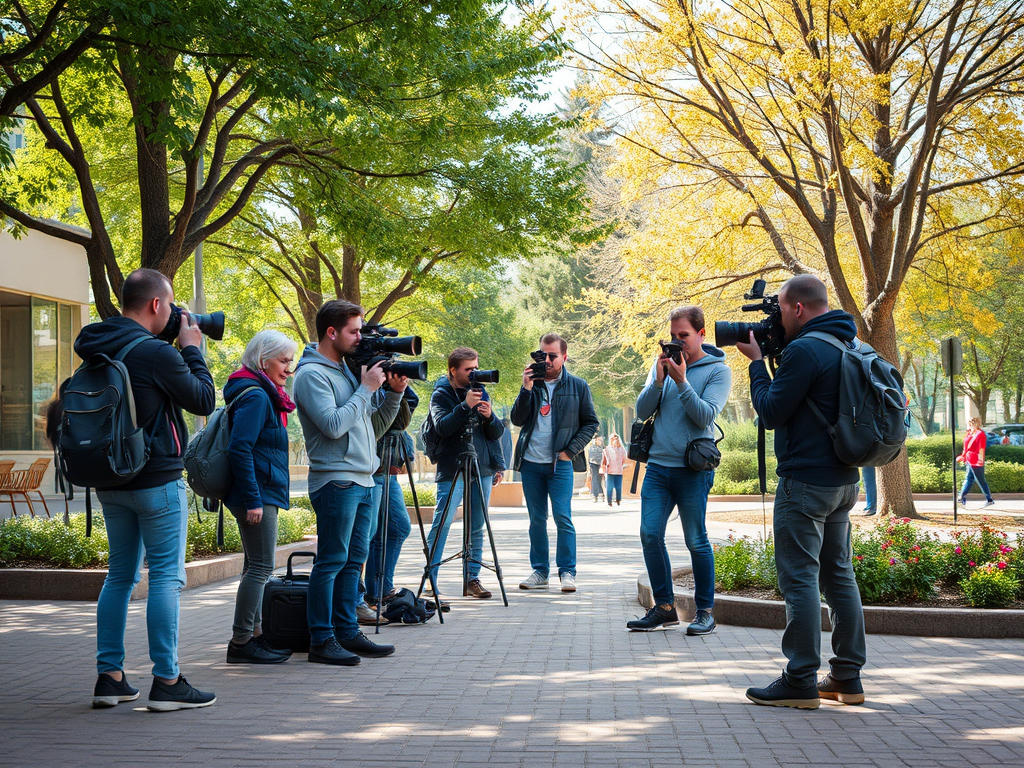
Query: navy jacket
x=575, y=424
x=164, y=381
x=258, y=448
x=809, y=369
x=449, y=413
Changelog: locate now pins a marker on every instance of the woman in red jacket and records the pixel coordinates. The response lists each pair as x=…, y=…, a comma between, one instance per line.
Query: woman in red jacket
x=974, y=456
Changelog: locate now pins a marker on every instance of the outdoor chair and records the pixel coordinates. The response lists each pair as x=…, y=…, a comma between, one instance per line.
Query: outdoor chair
x=6, y=465
x=22, y=482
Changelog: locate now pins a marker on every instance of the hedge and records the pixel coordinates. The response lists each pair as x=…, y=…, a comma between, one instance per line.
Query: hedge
x=937, y=450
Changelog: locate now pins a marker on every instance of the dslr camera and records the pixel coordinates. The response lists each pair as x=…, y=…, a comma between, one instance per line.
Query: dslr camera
x=478, y=378
x=768, y=333
x=539, y=366
x=212, y=325
x=672, y=349
x=380, y=344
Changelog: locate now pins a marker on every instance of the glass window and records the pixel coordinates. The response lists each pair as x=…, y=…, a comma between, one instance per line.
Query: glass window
x=15, y=373
x=45, y=355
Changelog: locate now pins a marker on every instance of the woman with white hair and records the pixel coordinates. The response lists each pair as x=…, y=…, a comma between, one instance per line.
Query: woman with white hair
x=258, y=454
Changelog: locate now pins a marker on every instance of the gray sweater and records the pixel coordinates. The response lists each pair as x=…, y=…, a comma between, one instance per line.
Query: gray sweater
x=688, y=411
x=334, y=410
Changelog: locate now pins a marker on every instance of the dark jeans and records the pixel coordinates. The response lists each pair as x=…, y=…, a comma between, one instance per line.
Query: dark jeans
x=664, y=489
x=259, y=543
x=595, y=481
x=343, y=512
x=540, y=482
x=397, y=532
x=813, y=557
x=613, y=487
x=975, y=475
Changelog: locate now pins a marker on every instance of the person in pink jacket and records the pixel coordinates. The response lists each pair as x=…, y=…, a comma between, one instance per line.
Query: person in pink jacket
x=974, y=456
x=613, y=465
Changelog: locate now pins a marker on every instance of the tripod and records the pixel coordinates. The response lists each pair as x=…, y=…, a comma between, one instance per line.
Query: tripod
x=469, y=472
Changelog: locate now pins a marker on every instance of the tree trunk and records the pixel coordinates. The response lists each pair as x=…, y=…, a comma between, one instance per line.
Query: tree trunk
x=350, y=269
x=894, y=494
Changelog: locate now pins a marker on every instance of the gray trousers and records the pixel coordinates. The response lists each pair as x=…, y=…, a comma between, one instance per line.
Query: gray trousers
x=259, y=542
x=813, y=557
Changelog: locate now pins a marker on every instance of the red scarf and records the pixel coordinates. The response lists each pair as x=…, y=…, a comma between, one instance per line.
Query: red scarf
x=283, y=405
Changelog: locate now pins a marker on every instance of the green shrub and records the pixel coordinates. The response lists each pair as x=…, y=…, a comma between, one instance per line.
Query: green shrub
x=934, y=449
x=25, y=539
x=294, y=523
x=744, y=563
x=1011, y=454
x=970, y=549
x=896, y=562
x=990, y=586
x=426, y=494
x=1004, y=477
x=925, y=478
x=742, y=436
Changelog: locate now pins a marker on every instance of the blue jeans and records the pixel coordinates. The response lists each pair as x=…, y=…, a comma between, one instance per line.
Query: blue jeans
x=870, y=488
x=475, y=520
x=613, y=486
x=664, y=489
x=540, y=482
x=398, y=531
x=813, y=557
x=343, y=513
x=154, y=520
x=975, y=475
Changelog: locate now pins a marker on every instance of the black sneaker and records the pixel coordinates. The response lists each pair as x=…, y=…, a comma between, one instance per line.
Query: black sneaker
x=181, y=695
x=265, y=645
x=779, y=693
x=110, y=692
x=432, y=606
x=252, y=653
x=361, y=645
x=703, y=624
x=843, y=691
x=656, y=618
x=332, y=653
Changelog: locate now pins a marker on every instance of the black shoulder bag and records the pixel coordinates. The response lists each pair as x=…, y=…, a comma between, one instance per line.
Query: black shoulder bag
x=641, y=438
x=702, y=453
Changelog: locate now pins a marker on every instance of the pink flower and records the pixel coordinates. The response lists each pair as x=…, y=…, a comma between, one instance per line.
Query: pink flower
x=959, y=550
x=970, y=563
x=860, y=557
x=1001, y=565
x=916, y=548
x=892, y=561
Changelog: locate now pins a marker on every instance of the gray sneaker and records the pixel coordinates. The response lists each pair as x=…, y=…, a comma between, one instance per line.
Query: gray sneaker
x=536, y=580
x=181, y=695
x=568, y=582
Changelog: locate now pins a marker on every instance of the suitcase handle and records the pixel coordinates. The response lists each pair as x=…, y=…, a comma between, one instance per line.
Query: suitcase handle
x=298, y=554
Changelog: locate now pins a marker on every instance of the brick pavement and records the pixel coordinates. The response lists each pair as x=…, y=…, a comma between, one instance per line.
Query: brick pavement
x=554, y=680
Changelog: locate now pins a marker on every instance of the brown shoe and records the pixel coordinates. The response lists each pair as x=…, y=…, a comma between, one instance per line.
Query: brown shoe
x=476, y=589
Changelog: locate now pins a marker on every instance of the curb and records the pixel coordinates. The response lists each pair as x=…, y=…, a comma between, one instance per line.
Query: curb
x=51, y=584
x=878, y=619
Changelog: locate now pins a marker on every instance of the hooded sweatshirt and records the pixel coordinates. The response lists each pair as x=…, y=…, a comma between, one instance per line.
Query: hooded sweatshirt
x=334, y=410
x=686, y=411
x=164, y=381
x=809, y=370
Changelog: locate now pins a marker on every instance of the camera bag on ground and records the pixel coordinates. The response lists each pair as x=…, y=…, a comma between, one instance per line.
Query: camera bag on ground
x=284, y=608
x=873, y=414
x=207, y=469
x=403, y=607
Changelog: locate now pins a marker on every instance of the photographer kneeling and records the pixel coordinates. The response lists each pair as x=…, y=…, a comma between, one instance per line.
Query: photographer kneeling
x=452, y=404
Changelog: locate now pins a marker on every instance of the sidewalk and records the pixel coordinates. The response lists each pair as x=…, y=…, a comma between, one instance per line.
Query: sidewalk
x=553, y=680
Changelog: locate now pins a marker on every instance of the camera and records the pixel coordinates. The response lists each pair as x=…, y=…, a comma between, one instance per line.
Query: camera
x=769, y=333
x=212, y=325
x=380, y=344
x=478, y=378
x=673, y=349
x=539, y=366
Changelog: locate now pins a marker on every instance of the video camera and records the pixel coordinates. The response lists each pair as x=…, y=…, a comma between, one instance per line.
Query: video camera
x=380, y=344
x=212, y=325
x=769, y=333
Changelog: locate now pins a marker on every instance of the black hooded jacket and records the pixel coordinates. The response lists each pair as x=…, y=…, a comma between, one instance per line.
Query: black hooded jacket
x=449, y=412
x=809, y=369
x=164, y=381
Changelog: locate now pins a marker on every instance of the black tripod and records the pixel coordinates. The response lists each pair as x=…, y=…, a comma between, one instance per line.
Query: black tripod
x=469, y=472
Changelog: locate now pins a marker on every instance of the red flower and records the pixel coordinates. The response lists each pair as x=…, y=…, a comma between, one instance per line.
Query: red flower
x=892, y=561
x=1001, y=565
x=970, y=563
x=959, y=550
x=860, y=557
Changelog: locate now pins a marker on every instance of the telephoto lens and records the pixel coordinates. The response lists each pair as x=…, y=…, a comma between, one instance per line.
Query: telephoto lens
x=212, y=325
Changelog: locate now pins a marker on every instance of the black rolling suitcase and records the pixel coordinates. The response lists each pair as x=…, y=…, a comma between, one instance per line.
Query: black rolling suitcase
x=284, y=608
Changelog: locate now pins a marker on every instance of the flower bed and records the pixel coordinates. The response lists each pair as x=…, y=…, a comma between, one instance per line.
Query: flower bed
x=897, y=563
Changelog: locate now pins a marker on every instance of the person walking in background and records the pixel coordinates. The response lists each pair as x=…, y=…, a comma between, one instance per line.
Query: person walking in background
x=595, y=456
x=974, y=457
x=258, y=456
x=613, y=465
x=869, y=479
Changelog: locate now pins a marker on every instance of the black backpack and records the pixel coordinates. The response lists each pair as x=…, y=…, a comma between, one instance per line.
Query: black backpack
x=430, y=439
x=101, y=444
x=873, y=413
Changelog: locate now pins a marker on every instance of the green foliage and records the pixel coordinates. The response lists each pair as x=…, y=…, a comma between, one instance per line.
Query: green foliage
x=937, y=450
x=737, y=474
x=990, y=587
x=427, y=495
x=895, y=562
x=746, y=562
x=926, y=478
x=971, y=549
x=1003, y=477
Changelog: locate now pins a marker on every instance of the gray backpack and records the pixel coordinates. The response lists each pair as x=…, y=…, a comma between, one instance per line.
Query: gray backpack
x=207, y=468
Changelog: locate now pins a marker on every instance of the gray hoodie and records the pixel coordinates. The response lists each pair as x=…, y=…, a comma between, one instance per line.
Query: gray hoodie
x=334, y=410
x=686, y=412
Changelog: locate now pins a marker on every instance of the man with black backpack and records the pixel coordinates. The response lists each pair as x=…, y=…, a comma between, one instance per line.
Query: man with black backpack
x=148, y=513
x=815, y=494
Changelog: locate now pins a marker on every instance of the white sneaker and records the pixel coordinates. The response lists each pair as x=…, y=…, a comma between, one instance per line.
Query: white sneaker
x=536, y=580
x=568, y=582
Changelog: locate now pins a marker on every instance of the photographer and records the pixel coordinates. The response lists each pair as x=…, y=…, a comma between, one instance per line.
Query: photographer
x=334, y=410
x=452, y=404
x=149, y=513
x=558, y=420
x=815, y=494
x=687, y=396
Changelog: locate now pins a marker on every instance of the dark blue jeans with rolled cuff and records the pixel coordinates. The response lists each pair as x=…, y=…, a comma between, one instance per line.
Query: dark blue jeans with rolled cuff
x=343, y=512
x=541, y=482
x=975, y=475
x=397, y=531
x=664, y=489
x=813, y=557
